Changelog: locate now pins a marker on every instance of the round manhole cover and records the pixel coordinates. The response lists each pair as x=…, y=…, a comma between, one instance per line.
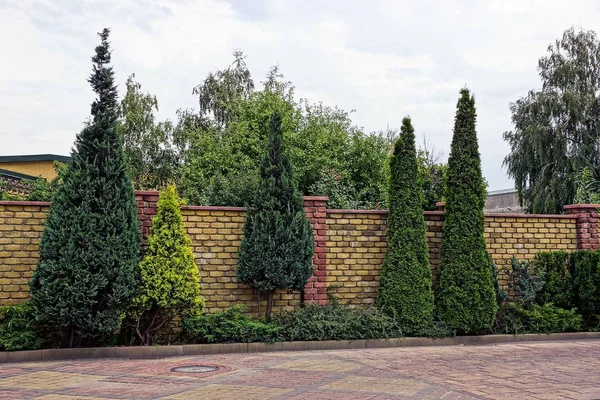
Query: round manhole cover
x=195, y=369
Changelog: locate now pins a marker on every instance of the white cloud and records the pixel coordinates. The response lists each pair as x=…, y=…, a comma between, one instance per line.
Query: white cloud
x=384, y=58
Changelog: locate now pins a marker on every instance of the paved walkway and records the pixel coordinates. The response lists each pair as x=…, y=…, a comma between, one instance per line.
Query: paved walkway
x=550, y=370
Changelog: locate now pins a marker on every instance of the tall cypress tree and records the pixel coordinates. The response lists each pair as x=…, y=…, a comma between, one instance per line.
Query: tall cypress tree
x=405, y=287
x=277, y=249
x=466, y=298
x=87, y=273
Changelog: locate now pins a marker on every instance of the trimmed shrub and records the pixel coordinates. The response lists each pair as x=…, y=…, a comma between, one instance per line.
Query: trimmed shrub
x=228, y=326
x=466, y=298
x=89, y=253
x=558, y=286
x=516, y=319
x=405, y=288
x=277, y=248
x=335, y=322
x=585, y=267
x=169, y=279
x=524, y=284
x=17, y=328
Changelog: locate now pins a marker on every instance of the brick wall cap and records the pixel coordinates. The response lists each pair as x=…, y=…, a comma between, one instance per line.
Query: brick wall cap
x=147, y=192
x=440, y=204
x=316, y=198
x=333, y=211
x=513, y=215
x=576, y=206
x=24, y=203
x=213, y=208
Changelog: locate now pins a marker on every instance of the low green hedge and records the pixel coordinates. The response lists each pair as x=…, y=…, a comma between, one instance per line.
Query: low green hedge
x=17, y=328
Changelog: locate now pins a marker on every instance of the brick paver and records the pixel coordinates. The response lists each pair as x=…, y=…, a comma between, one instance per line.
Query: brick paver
x=549, y=370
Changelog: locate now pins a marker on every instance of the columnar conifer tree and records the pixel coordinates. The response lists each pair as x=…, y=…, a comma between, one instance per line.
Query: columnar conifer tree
x=466, y=298
x=88, y=269
x=277, y=249
x=169, y=279
x=405, y=288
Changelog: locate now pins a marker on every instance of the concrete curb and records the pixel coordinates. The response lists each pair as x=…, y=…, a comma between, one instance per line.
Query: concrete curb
x=140, y=352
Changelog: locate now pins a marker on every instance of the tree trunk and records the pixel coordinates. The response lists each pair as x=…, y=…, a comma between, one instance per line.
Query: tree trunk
x=72, y=337
x=258, y=291
x=269, y=306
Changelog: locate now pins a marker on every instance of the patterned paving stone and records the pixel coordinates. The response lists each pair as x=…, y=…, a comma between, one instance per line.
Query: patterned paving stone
x=226, y=392
x=47, y=380
x=315, y=364
x=393, y=386
x=549, y=370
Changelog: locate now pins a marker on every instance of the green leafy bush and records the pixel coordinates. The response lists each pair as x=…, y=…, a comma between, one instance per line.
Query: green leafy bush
x=227, y=327
x=516, y=319
x=17, y=328
x=336, y=186
x=335, y=322
x=558, y=286
x=405, y=288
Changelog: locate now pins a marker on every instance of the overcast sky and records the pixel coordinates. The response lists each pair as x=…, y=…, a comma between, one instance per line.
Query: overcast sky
x=384, y=59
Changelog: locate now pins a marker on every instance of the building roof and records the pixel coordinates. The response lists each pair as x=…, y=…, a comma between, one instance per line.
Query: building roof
x=34, y=158
x=501, y=191
x=16, y=175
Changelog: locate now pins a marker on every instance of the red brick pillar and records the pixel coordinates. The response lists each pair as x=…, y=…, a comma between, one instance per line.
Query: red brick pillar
x=316, y=288
x=146, y=201
x=587, y=225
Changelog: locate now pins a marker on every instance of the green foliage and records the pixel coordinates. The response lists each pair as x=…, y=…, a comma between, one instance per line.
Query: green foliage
x=524, y=283
x=556, y=128
x=337, y=187
x=17, y=328
x=432, y=175
x=43, y=190
x=220, y=92
x=587, y=187
x=405, y=288
x=87, y=273
x=516, y=319
x=335, y=322
x=277, y=248
x=151, y=150
x=228, y=326
x=466, y=297
x=558, y=285
x=225, y=140
x=169, y=278
x=585, y=267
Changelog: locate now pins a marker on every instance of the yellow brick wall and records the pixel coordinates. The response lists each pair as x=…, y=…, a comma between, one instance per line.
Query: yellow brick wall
x=525, y=236
x=21, y=227
x=356, y=245
x=216, y=234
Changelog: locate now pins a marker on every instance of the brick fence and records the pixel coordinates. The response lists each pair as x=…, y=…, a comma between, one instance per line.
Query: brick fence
x=350, y=246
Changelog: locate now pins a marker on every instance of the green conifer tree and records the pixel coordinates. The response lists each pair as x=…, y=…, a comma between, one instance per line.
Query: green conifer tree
x=169, y=278
x=405, y=287
x=88, y=269
x=277, y=249
x=466, y=297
